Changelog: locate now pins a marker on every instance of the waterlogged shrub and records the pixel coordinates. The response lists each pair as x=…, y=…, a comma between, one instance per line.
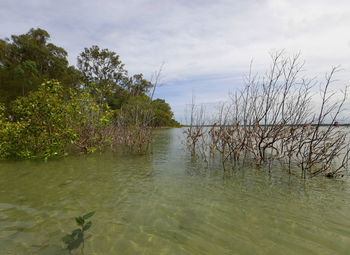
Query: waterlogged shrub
x=12, y=144
x=136, y=111
x=133, y=123
x=45, y=115
x=273, y=120
x=90, y=121
x=45, y=122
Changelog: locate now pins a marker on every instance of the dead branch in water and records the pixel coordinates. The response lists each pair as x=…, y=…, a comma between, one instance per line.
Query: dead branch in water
x=272, y=119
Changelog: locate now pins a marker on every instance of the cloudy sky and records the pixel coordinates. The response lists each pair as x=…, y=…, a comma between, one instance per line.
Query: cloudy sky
x=206, y=45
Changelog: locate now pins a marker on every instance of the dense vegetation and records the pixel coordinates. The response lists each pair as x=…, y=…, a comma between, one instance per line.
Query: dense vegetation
x=48, y=108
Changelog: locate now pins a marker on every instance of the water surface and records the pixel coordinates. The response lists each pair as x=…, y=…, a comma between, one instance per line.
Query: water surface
x=168, y=203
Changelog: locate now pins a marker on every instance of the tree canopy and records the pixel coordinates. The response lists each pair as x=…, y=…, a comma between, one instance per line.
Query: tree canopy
x=106, y=78
x=28, y=59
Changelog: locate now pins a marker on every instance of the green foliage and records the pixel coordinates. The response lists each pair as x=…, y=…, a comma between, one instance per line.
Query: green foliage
x=163, y=116
x=46, y=121
x=106, y=79
x=117, y=100
x=141, y=111
x=137, y=85
x=102, y=72
x=76, y=238
x=100, y=65
x=28, y=59
x=39, y=126
x=50, y=119
x=136, y=111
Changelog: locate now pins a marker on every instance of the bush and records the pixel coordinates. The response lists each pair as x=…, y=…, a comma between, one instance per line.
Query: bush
x=45, y=122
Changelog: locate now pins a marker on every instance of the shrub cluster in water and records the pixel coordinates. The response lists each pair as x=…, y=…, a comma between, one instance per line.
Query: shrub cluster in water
x=272, y=119
x=96, y=105
x=46, y=121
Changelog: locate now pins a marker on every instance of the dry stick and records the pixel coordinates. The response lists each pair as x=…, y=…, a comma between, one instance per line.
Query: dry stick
x=271, y=119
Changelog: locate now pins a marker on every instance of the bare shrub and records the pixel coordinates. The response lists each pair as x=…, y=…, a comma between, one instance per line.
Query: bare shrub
x=272, y=120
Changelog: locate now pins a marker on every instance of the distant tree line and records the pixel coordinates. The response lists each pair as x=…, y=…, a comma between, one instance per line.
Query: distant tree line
x=48, y=107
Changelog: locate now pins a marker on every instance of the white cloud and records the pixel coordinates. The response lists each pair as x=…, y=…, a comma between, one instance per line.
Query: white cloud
x=196, y=39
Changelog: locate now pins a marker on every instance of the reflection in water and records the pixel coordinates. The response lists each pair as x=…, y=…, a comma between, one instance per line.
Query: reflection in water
x=169, y=203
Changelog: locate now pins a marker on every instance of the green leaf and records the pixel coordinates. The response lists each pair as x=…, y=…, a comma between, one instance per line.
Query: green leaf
x=80, y=221
x=67, y=239
x=88, y=215
x=87, y=226
x=81, y=235
x=75, y=244
x=76, y=231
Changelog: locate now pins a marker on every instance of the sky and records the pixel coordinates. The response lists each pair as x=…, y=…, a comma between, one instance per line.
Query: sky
x=206, y=46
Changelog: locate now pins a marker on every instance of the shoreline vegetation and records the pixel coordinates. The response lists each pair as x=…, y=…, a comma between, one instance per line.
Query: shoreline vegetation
x=267, y=125
x=49, y=109
x=274, y=120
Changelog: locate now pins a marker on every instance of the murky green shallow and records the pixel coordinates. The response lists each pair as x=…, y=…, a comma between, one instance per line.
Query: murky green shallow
x=166, y=203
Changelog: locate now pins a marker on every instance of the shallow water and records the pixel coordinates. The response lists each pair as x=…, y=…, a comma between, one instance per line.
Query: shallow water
x=167, y=203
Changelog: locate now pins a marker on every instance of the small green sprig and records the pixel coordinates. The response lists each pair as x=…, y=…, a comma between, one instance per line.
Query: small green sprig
x=76, y=238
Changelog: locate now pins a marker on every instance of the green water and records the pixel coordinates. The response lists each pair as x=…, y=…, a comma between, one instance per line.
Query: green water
x=167, y=203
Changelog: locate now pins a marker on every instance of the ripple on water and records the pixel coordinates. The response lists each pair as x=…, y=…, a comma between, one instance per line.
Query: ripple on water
x=169, y=203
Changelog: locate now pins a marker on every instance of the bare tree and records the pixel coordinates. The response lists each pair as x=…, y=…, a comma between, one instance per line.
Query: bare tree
x=271, y=119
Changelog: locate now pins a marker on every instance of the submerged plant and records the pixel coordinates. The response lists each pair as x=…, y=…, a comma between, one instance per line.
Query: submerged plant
x=76, y=238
